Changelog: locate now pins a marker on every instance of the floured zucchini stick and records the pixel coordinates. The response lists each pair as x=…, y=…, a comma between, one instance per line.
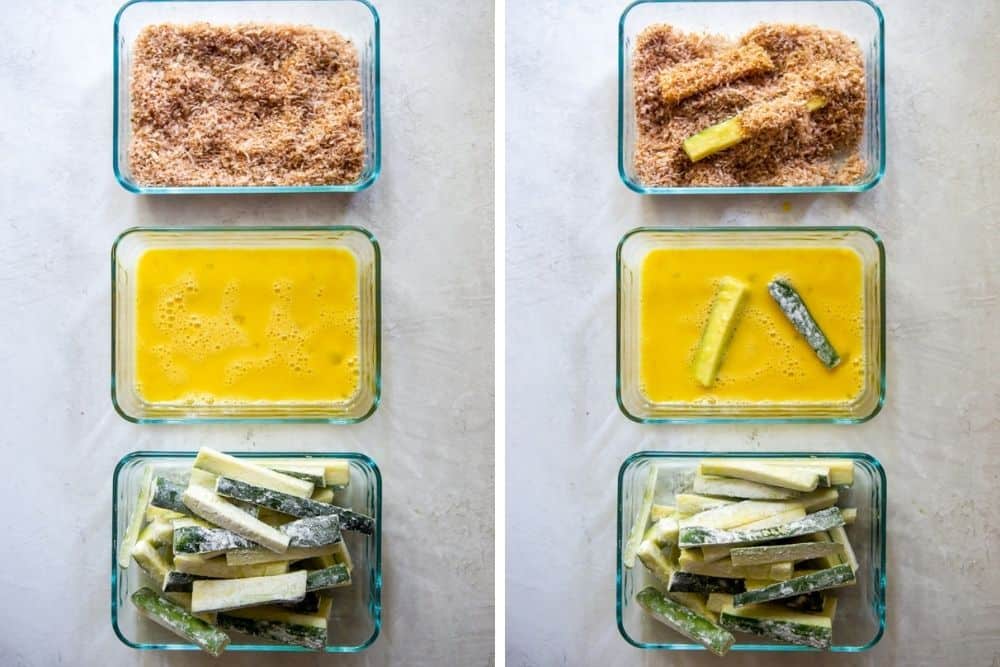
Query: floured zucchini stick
x=778, y=622
x=685, y=621
x=224, y=514
x=641, y=519
x=807, y=583
x=246, y=471
x=689, y=78
x=181, y=622
x=135, y=521
x=698, y=536
x=226, y=594
x=292, y=505
x=278, y=624
x=729, y=298
x=798, y=314
x=730, y=132
x=803, y=478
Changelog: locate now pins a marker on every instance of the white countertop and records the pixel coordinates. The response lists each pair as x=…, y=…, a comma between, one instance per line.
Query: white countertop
x=938, y=211
x=432, y=437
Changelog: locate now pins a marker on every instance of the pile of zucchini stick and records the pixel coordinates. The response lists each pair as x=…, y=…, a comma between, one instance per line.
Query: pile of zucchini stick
x=242, y=545
x=750, y=545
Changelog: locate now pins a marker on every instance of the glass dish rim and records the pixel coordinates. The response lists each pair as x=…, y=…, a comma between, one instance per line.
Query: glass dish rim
x=135, y=188
x=765, y=229
x=749, y=189
x=377, y=398
x=873, y=461
x=363, y=459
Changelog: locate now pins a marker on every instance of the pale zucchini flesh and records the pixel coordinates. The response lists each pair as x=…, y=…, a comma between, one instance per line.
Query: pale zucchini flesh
x=739, y=514
x=655, y=561
x=778, y=553
x=839, y=535
x=131, y=534
x=211, y=507
x=225, y=594
x=216, y=568
x=796, y=479
x=658, y=512
x=729, y=299
x=641, y=519
x=246, y=471
x=740, y=488
x=150, y=560
x=260, y=556
x=693, y=503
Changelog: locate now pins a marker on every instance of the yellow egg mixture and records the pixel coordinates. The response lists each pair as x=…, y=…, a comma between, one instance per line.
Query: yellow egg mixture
x=766, y=360
x=244, y=325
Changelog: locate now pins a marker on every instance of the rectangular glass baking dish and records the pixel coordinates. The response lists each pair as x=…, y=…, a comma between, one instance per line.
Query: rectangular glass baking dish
x=356, y=618
x=860, y=620
x=633, y=248
x=355, y=19
x=860, y=19
x=125, y=253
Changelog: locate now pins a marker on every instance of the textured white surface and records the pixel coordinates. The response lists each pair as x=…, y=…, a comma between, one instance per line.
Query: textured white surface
x=937, y=210
x=432, y=437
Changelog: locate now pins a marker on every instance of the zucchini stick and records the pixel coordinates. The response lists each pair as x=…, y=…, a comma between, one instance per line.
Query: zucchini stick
x=700, y=75
x=730, y=132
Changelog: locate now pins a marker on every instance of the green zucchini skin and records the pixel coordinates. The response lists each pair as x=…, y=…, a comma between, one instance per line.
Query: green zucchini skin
x=791, y=633
x=180, y=621
x=293, y=505
x=798, y=314
x=201, y=540
x=168, y=495
x=328, y=577
x=808, y=602
x=179, y=582
x=285, y=633
x=685, y=621
x=307, y=605
x=816, y=581
x=685, y=582
x=696, y=536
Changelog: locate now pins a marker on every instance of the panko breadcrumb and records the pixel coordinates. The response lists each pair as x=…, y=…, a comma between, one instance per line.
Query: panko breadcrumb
x=247, y=104
x=785, y=143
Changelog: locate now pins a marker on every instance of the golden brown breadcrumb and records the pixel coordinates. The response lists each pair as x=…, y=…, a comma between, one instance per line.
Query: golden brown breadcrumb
x=247, y=104
x=785, y=143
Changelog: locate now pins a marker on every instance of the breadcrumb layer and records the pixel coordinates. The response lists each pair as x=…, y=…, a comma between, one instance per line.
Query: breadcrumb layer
x=247, y=104
x=785, y=143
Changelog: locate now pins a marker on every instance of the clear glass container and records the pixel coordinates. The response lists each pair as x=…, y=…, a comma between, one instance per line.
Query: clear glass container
x=634, y=247
x=125, y=254
x=859, y=19
x=356, y=616
x=355, y=19
x=860, y=619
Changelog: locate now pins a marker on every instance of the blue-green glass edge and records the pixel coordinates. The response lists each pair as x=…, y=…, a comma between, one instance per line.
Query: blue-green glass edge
x=734, y=230
x=750, y=190
x=878, y=530
x=376, y=399
x=273, y=189
x=375, y=601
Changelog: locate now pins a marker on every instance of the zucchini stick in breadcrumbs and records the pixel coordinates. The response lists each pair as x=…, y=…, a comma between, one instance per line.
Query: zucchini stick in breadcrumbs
x=687, y=79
